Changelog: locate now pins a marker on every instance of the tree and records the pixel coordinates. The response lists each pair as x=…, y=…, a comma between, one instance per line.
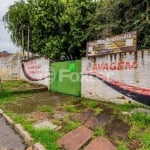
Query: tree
x=45, y=19
x=61, y=28
x=58, y=28
x=118, y=16
x=137, y=18
x=74, y=27
x=16, y=19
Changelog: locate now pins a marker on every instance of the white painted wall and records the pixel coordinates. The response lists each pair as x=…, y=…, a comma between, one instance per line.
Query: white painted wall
x=36, y=71
x=136, y=76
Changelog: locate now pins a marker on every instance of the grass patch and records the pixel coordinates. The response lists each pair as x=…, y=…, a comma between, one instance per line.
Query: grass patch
x=46, y=108
x=4, y=94
x=90, y=104
x=134, y=133
x=124, y=107
x=7, y=97
x=97, y=111
x=71, y=108
x=12, y=99
x=141, y=118
x=142, y=135
x=122, y=145
x=70, y=125
x=139, y=122
x=72, y=101
x=99, y=132
x=45, y=136
x=145, y=140
x=140, y=129
x=10, y=85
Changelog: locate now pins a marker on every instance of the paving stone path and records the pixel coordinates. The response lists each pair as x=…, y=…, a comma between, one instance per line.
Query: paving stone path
x=75, y=139
x=9, y=139
x=100, y=143
x=82, y=137
x=78, y=138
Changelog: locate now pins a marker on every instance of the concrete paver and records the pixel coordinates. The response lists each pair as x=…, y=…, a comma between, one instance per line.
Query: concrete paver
x=75, y=139
x=118, y=129
x=100, y=143
x=92, y=123
x=8, y=138
x=99, y=120
x=104, y=118
x=45, y=124
x=83, y=116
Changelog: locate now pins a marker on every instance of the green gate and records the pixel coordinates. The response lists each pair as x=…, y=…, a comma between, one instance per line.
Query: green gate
x=65, y=77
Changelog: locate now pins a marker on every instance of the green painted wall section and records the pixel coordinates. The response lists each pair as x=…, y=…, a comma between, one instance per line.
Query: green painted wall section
x=65, y=77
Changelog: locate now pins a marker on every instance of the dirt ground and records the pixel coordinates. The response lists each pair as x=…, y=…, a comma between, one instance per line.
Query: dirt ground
x=29, y=106
x=114, y=126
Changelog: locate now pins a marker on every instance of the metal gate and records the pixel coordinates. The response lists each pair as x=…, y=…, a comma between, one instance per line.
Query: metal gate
x=65, y=77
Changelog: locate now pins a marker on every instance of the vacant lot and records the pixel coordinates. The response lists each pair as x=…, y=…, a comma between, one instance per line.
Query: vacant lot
x=27, y=104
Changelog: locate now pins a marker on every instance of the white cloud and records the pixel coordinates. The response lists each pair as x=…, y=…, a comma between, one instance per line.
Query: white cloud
x=5, y=42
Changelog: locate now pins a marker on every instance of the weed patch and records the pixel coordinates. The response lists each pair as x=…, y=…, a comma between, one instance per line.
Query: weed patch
x=45, y=136
x=90, y=104
x=46, y=108
x=71, y=108
x=122, y=145
x=70, y=125
x=99, y=132
x=23, y=108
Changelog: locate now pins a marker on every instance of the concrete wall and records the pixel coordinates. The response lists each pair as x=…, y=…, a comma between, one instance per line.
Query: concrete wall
x=4, y=68
x=117, y=77
x=35, y=71
x=13, y=65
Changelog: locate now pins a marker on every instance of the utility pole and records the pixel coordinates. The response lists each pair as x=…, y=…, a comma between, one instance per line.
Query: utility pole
x=28, y=44
x=22, y=42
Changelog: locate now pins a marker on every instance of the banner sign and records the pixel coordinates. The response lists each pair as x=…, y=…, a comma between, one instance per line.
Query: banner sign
x=125, y=42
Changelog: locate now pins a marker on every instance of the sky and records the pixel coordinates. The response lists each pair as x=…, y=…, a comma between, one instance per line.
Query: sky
x=5, y=41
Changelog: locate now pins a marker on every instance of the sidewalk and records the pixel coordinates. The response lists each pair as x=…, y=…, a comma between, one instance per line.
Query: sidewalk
x=9, y=139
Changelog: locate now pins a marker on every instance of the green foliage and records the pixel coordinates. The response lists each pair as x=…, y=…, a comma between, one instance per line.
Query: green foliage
x=90, y=103
x=122, y=146
x=70, y=125
x=140, y=129
x=71, y=108
x=97, y=111
x=46, y=108
x=4, y=94
x=125, y=107
x=13, y=84
x=140, y=119
x=139, y=122
x=17, y=19
x=60, y=29
x=145, y=140
x=99, y=132
x=45, y=136
x=7, y=97
x=114, y=17
x=142, y=135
